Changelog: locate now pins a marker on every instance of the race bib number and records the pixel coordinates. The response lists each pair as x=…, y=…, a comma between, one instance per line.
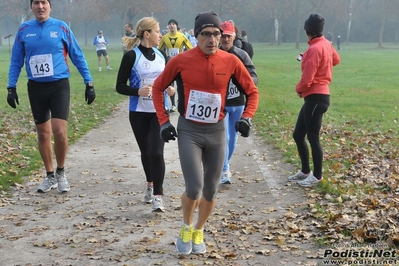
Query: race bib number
x=41, y=65
x=233, y=91
x=144, y=82
x=173, y=52
x=203, y=107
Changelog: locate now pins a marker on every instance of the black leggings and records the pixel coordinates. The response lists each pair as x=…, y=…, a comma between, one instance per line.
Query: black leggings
x=309, y=123
x=146, y=131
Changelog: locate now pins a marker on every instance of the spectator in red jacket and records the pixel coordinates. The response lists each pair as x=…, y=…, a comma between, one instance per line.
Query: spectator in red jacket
x=317, y=65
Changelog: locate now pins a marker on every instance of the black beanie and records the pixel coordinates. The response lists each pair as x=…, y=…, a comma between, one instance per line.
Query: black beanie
x=314, y=24
x=31, y=1
x=173, y=21
x=207, y=19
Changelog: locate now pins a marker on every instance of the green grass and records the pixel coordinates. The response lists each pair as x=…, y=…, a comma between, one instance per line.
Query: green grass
x=364, y=101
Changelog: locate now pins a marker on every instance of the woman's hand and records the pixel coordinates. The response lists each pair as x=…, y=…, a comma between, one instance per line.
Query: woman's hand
x=145, y=91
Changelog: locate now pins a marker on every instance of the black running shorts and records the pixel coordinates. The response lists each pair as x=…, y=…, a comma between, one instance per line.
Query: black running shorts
x=49, y=99
x=102, y=52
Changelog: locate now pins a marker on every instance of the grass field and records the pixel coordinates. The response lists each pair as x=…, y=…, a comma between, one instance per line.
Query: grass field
x=359, y=132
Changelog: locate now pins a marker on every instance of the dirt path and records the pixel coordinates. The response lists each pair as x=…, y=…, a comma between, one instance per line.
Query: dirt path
x=104, y=221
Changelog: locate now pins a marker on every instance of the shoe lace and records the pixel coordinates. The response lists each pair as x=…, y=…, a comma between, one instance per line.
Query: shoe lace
x=62, y=178
x=198, y=237
x=49, y=179
x=158, y=201
x=186, y=233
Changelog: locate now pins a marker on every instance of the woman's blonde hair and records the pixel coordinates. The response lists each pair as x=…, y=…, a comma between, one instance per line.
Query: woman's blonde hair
x=143, y=25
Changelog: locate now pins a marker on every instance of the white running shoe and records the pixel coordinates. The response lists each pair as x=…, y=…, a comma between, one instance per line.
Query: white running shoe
x=310, y=181
x=157, y=204
x=226, y=175
x=298, y=176
x=148, y=194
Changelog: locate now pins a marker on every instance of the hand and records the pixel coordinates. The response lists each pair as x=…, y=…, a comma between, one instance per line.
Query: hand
x=244, y=126
x=12, y=97
x=145, y=91
x=90, y=94
x=168, y=132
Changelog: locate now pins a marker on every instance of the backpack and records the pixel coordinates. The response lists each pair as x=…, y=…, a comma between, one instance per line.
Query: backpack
x=247, y=47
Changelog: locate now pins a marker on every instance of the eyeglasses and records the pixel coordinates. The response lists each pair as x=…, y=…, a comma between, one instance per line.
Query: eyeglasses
x=208, y=34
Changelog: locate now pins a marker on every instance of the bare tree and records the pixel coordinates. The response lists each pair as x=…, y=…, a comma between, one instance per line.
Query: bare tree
x=353, y=7
x=88, y=11
x=387, y=10
x=17, y=9
x=128, y=9
x=222, y=7
x=300, y=10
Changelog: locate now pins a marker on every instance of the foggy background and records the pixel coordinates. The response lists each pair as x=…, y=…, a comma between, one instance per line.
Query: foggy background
x=268, y=21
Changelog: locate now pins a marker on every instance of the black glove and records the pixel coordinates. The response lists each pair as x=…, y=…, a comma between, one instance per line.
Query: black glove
x=244, y=126
x=168, y=132
x=12, y=97
x=90, y=94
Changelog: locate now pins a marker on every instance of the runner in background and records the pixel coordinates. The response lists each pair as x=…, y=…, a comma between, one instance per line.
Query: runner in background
x=236, y=98
x=141, y=65
x=173, y=43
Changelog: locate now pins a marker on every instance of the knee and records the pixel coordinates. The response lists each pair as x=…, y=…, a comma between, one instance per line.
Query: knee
x=193, y=194
x=298, y=137
x=60, y=135
x=313, y=138
x=156, y=158
x=145, y=155
x=209, y=195
x=43, y=136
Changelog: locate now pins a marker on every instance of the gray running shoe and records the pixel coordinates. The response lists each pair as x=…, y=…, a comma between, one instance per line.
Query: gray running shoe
x=310, y=181
x=157, y=204
x=199, y=246
x=298, y=176
x=184, y=243
x=63, y=185
x=148, y=194
x=48, y=183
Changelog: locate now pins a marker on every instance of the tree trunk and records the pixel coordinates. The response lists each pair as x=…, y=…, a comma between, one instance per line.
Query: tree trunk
x=298, y=34
x=381, y=35
x=1, y=38
x=86, y=24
